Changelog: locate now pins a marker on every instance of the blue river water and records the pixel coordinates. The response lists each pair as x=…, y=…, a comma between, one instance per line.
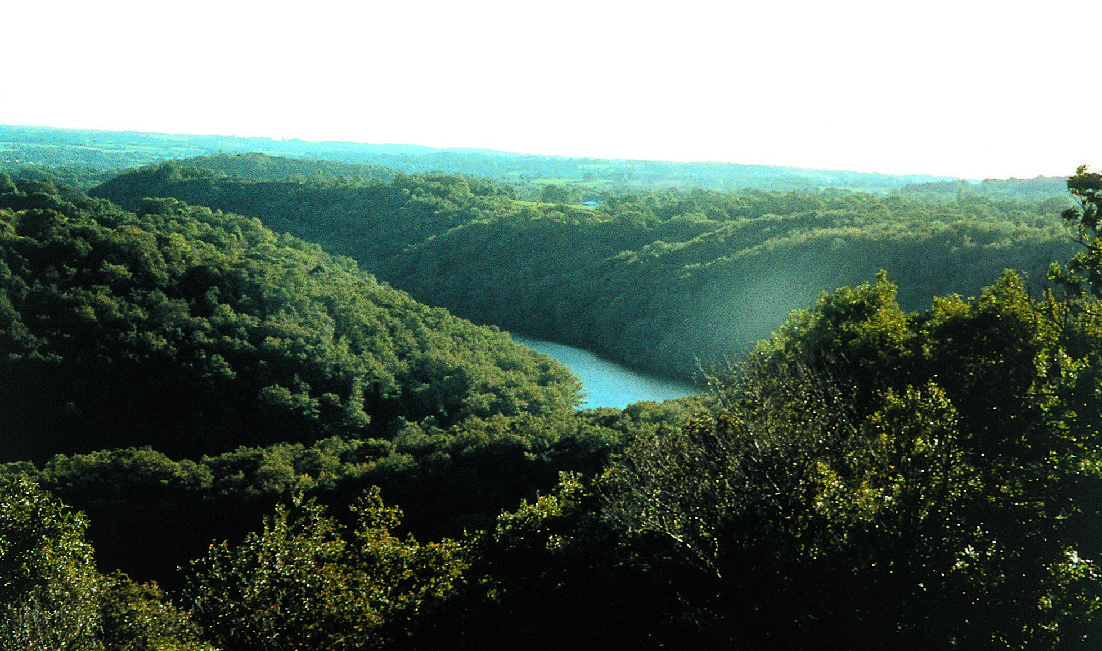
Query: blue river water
x=606, y=383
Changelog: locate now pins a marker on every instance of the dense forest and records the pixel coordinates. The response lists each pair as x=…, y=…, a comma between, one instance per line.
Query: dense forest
x=228, y=425
x=662, y=281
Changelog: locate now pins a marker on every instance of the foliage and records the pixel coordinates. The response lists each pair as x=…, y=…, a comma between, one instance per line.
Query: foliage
x=1083, y=273
x=870, y=476
x=49, y=589
x=927, y=478
x=151, y=513
x=51, y=595
x=236, y=336
x=656, y=278
x=140, y=617
x=548, y=575
x=299, y=582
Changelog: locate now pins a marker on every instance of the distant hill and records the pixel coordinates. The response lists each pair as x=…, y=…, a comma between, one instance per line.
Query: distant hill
x=49, y=148
x=1036, y=189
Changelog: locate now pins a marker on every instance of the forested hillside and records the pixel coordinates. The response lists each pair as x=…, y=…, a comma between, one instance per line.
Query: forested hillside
x=211, y=312
x=658, y=280
x=177, y=371
x=218, y=436
x=203, y=335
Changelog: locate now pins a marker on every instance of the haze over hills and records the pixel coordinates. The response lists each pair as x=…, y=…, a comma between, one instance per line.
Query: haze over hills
x=51, y=147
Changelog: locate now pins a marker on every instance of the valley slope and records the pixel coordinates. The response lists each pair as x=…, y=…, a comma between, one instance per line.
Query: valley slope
x=662, y=281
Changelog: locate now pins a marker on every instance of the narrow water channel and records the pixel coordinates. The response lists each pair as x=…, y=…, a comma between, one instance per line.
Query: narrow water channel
x=606, y=383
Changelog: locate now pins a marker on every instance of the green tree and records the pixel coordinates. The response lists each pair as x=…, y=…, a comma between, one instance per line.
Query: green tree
x=553, y=574
x=946, y=461
x=52, y=596
x=553, y=193
x=49, y=587
x=279, y=588
x=6, y=184
x=798, y=519
x=1083, y=273
x=302, y=582
x=140, y=617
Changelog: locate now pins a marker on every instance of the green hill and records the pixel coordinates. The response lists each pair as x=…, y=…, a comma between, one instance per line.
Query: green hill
x=659, y=280
x=198, y=331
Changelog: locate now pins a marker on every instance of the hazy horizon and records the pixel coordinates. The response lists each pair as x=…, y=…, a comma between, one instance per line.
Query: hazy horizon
x=418, y=146
x=971, y=90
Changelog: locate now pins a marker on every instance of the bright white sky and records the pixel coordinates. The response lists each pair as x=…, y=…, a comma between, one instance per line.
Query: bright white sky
x=971, y=88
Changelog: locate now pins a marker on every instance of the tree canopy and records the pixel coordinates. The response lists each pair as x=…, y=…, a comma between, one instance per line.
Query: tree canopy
x=894, y=465
x=236, y=335
x=658, y=279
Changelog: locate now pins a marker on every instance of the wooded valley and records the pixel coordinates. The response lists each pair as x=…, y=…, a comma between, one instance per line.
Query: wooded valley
x=253, y=401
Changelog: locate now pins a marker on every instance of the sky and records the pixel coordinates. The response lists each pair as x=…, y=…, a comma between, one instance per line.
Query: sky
x=967, y=88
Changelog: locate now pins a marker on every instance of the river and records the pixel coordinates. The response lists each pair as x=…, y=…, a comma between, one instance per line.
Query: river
x=606, y=383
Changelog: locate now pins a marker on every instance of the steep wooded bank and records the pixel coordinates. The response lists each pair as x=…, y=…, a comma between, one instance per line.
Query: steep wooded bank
x=240, y=336
x=659, y=280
